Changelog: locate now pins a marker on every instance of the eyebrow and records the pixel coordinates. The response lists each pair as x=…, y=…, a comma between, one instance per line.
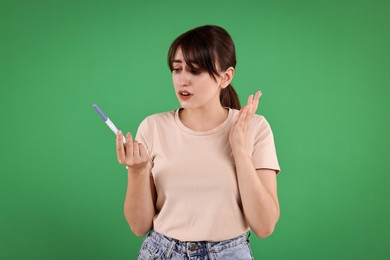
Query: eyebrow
x=192, y=64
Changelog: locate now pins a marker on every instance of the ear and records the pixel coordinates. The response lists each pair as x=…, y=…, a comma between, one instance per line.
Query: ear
x=227, y=77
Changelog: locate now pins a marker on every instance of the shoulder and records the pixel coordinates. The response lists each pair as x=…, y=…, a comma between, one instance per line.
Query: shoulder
x=260, y=121
x=155, y=123
x=158, y=119
x=259, y=127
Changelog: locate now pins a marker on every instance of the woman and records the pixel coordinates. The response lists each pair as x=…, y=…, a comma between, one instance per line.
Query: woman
x=202, y=176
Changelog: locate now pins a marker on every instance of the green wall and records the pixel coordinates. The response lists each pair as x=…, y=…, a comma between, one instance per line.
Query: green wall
x=321, y=66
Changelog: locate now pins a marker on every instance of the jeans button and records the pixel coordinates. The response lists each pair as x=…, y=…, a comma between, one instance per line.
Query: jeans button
x=192, y=247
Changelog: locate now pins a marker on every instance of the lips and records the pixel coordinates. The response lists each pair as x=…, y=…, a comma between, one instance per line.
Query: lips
x=184, y=95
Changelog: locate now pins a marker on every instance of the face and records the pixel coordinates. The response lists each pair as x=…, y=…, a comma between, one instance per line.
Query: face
x=194, y=88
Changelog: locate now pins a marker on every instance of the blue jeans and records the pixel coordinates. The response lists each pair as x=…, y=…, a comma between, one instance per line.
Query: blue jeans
x=158, y=246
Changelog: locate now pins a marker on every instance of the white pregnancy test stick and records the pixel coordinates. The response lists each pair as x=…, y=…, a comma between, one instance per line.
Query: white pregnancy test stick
x=111, y=125
x=107, y=121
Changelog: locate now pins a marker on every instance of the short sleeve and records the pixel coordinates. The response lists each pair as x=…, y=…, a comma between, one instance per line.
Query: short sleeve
x=142, y=133
x=144, y=136
x=264, y=151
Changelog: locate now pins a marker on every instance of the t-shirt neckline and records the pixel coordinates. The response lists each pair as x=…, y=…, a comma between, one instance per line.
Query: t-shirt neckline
x=209, y=132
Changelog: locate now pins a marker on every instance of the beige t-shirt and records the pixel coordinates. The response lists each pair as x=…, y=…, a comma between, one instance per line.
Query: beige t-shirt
x=194, y=174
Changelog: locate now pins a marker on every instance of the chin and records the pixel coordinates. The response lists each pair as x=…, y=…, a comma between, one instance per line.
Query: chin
x=185, y=104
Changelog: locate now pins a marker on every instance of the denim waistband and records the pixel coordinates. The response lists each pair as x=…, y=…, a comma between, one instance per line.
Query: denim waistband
x=193, y=248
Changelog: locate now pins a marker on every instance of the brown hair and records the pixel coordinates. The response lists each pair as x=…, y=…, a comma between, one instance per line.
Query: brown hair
x=206, y=46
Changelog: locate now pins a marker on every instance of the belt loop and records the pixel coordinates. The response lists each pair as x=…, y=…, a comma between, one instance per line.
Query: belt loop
x=170, y=248
x=209, y=253
x=248, y=236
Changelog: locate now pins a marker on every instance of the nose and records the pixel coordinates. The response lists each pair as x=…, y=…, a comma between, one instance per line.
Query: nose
x=182, y=80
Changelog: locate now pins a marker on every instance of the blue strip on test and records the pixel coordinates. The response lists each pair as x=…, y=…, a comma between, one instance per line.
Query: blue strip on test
x=101, y=113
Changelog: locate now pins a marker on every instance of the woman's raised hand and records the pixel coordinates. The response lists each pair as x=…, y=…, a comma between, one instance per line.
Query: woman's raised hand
x=133, y=154
x=239, y=132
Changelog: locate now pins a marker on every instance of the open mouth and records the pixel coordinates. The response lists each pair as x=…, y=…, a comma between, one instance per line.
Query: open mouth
x=185, y=93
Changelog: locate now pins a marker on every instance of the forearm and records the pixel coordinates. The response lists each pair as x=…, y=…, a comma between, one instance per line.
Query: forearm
x=139, y=201
x=261, y=210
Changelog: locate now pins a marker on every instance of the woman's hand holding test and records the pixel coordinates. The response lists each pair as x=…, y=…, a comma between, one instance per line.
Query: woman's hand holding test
x=140, y=194
x=133, y=154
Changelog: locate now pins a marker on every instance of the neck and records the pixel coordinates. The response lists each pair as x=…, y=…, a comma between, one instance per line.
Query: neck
x=203, y=120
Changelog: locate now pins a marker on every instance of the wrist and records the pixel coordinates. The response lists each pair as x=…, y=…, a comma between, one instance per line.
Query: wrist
x=239, y=152
x=138, y=170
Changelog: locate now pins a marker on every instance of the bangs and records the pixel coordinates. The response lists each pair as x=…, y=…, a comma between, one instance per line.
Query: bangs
x=197, y=51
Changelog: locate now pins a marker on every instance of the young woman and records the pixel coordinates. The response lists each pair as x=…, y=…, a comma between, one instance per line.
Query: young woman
x=202, y=176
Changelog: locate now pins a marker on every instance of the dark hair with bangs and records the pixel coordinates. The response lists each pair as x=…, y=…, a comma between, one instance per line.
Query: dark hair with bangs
x=206, y=46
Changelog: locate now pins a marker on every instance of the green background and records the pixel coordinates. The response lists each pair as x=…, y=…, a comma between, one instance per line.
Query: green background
x=322, y=67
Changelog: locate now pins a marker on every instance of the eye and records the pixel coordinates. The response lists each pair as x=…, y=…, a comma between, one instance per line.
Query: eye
x=176, y=70
x=196, y=71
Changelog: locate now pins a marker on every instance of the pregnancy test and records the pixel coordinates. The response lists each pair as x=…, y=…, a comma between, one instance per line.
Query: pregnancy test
x=107, y=121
